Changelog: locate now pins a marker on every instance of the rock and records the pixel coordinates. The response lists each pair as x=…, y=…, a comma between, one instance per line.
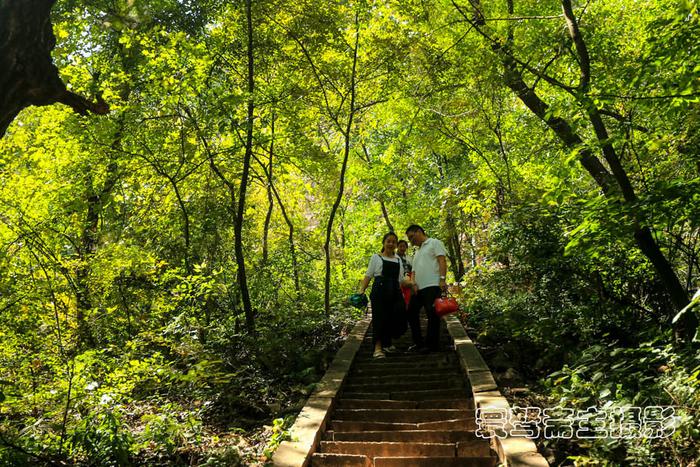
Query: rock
x=500, y=361
x=274, y=407
x=486, y=339
x=511, y=373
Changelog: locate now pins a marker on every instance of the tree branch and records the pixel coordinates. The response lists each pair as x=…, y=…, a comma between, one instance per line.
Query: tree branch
x=581, y=49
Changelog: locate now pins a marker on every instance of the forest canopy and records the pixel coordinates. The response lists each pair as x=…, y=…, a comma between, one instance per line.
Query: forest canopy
x=193, y=189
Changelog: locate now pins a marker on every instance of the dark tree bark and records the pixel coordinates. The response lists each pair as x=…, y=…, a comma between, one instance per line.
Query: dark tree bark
x=341, y=188
x=270, y=197
x=382, y=204
x=454, y=248
x=88, y=246
x=292, y=247
x=238, y=227
x=385, y=214
x=96, y=199
x=28, y=75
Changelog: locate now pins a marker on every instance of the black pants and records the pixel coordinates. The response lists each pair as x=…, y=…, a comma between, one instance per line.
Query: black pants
x=388, y=311
x=425, y=299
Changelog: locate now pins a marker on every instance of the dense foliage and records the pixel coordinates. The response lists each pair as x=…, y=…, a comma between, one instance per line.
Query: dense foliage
x=173, y=275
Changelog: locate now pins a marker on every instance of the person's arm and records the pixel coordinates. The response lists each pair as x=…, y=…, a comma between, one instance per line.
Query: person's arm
x=441, y=257
x=364, y=283
x=442, y=267
x=372, y=269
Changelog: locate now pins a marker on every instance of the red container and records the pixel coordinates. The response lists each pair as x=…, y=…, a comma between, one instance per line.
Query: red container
x=445, y=306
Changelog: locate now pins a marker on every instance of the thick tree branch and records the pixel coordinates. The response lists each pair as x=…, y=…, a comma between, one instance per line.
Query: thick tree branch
x=28, y=75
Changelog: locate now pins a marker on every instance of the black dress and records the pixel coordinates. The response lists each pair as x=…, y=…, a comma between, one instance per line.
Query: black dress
x=388, y=306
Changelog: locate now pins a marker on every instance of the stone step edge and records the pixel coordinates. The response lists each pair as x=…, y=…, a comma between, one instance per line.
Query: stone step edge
x=485, y=393
x=309, y=425
x=389, y=403
x=470, y=436
x=368, y=461
x=394, y=448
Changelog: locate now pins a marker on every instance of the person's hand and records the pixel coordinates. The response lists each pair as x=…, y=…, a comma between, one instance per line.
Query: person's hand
x=443, y=285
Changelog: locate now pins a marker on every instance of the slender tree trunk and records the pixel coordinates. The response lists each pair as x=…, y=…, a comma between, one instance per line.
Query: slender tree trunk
x=266, y=226
x=234, y=209
x=88, y=247
x=341, y=228
x=185, y=221
x=292, y=248
x=89, y=238
x=455, y=249
x=346, y=154
x=270, y=197
x=273, y=191
x=472, y=251
x=238, y=227
x=385, y=214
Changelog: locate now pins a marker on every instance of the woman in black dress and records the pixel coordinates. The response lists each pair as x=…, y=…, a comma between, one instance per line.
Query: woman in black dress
x=388, y=308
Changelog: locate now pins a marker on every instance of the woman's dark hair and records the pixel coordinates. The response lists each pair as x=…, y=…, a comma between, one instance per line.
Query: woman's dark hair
x=402, y=241
x=387, y=235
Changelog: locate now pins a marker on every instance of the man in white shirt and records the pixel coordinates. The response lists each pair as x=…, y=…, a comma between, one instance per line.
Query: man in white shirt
x=430, y=268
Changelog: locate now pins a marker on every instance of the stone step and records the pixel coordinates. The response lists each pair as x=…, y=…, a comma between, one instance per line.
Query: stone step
x=319, y=459
x=402, y=415
x=425, y=358
x=404, y=378
x=452, y=383
x=435, y=462
x=404, y=344
x=406, y=339
x=406, y=372
x=410, y=436
x=392, y=404
x=462, y=424
x=408, y=409
x=411, y=358
x=388, y=449
x=386, y=365
x=425, y=395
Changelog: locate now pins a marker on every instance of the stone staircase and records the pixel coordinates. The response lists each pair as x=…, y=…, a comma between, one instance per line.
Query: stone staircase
x=404, y=410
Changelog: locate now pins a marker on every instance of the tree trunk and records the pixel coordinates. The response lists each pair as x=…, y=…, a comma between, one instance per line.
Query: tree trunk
x=292, y=248
x=185, y=221
x=238, y=227
x=385, y=214
x=346, y=154
x=455, y=249
x=270, y=198
x=89, y=240
x=27, y=73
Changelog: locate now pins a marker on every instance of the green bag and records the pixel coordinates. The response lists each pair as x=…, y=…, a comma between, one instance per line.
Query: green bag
x=358, y=300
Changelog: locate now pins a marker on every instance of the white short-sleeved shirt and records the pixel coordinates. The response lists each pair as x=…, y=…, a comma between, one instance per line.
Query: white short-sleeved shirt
x=375, y=265
x=425, y=263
